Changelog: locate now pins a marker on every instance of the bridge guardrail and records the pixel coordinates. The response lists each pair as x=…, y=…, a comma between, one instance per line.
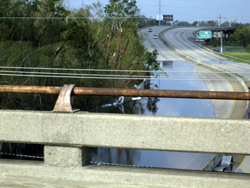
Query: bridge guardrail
x=67, y=136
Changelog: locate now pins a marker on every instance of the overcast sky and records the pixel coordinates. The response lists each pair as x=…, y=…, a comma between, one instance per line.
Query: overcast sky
x=188, y=10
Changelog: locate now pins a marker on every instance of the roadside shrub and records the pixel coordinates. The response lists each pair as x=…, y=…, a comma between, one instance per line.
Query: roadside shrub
x=248, y=48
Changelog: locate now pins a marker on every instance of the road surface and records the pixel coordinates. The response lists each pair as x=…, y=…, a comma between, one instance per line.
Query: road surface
x=179, y=38
x=164, y=53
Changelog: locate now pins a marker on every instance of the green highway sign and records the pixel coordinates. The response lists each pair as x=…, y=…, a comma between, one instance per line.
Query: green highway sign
x=205, y=34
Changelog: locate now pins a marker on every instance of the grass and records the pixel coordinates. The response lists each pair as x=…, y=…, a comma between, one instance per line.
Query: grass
x=241, y=55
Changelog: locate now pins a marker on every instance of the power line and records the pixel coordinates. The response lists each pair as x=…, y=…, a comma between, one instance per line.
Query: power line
x=75, y=74
x=119, y=78
x=101, y=75
x=70, y=69
x=112, y=77
x=69, y=18
x=112, y=70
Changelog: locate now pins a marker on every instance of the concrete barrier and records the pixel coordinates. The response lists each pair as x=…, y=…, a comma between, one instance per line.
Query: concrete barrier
x=119, y=177
x=66, y=137
x=126, y=131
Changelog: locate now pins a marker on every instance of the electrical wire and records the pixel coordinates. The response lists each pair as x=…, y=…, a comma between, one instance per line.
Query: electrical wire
x=84, y=18
x=75, y=74
x=70, y=69
x=125, y=78
x=67, y=18
x=111, y=70
x=104, y=75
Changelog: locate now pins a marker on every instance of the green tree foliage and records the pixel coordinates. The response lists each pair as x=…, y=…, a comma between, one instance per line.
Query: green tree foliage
x=121, y=8
x=242, y=35
x=49, y=30
x=248, y=48
x=183, y=24
x=87, y=38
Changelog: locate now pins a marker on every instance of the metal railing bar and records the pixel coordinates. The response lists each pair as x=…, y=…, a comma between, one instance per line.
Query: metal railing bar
x=129, y=92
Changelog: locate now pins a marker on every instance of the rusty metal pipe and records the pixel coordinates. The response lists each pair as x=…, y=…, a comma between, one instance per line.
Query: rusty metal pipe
x=30, y=89
x=129, y=92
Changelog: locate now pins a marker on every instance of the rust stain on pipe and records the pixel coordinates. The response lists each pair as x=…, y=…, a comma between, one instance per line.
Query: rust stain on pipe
x=30, y=89
x=129, y=92
x=162, y=93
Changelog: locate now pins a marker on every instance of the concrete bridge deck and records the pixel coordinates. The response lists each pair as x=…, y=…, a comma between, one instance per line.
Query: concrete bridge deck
x=36, y=174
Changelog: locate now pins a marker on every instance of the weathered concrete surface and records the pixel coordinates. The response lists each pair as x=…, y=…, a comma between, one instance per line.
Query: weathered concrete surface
x=103, y=176
x=126, y=131
x=64, y=156
x=31, y=182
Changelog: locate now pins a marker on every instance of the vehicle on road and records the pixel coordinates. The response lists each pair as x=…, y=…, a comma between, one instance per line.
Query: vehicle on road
x=199, y=40
x=150, y=30
x=155, y=37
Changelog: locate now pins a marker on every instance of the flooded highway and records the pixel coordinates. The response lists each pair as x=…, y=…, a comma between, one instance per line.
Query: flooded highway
x=176, y=74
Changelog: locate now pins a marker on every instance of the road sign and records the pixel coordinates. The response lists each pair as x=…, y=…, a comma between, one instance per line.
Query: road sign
x=168, y=18
x=205, y=34
x=219, y=34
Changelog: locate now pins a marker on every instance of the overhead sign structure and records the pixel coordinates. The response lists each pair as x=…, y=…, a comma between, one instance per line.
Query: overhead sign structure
x=205, y=34
x=168, y=18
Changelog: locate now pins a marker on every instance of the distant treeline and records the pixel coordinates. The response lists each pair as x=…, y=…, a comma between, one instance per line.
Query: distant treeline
x=44, y=33
x=241, y=37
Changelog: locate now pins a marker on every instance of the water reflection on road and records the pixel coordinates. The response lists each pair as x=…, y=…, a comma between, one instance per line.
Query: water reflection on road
x=180, y=76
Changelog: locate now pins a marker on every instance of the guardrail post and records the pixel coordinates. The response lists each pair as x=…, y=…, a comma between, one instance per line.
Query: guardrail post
x=65, y=156
x=65, y=100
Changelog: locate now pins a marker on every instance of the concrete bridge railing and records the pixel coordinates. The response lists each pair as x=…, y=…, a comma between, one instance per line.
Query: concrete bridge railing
x=66, y=137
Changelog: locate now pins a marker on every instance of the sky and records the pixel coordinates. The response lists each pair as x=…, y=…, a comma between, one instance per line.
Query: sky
x=188, y=10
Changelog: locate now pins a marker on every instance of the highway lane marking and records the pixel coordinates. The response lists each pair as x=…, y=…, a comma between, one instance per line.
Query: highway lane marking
x=191, y=161
x=234, y=104
x=230, y=115
x=241, y=163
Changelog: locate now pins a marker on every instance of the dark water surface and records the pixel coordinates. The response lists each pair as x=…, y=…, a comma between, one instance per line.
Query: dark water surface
x=180, y=76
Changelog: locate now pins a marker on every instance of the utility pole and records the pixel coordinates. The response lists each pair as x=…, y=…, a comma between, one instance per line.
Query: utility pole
x=221, y=37
x=221, y=42
x=159, y=12
x=198, y=20
x=219, y=23
x=82, y=4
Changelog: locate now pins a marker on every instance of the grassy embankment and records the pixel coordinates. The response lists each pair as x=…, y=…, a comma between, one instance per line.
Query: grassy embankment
x=241, y=55
x=235, y=53
x=235, y=50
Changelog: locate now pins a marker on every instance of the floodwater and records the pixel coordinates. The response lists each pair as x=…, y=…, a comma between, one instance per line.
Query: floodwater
x=218, y=62
x=171, y=76
x=178, y=76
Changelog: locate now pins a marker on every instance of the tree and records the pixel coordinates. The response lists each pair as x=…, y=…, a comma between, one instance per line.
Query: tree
x=121, y=12
x=48, y=29
x=248, y=48
x=242, y=35
x=57, y=37
x=121, y=8
x=183, y=23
